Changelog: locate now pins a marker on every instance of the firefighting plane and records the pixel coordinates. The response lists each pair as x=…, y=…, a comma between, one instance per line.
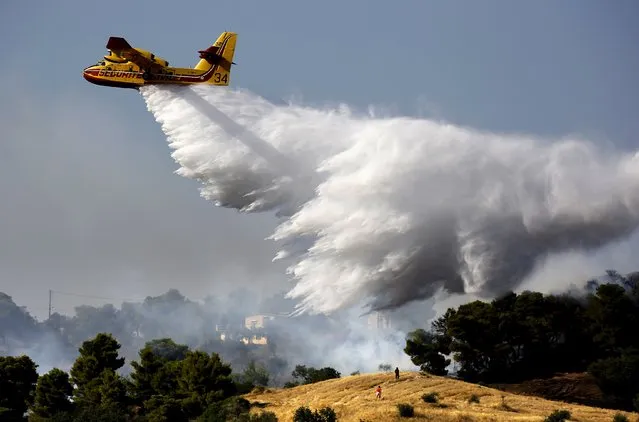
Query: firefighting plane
x=129, y=67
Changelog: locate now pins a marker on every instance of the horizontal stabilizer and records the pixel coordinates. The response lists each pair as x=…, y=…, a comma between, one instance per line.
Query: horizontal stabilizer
x=212, y=56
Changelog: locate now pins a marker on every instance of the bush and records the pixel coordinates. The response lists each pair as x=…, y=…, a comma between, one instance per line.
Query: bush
x=264, y=417
x=304, y=414
x=258, y=389
x=243, y=387
x=473, y=399
x=558, y=416
x=227, y=410
x=505, y=406
x=430, y=397
x=90, y=413
x=327, y=415
x=618, y=377
x=405, y=410
x=312, y=375
x=620, y=418
x=385, y=367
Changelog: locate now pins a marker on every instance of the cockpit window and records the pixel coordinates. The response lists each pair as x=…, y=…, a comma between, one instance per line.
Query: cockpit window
x=100, y=63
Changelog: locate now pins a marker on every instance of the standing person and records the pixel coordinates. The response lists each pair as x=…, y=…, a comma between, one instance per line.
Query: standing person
x=396, y=373
x=378, y=392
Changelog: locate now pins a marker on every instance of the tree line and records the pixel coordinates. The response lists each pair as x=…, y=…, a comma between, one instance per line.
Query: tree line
x=518, y=337
x=54, y=342
x=169, y=382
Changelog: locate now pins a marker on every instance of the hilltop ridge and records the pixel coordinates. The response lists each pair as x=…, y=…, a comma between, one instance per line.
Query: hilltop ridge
x=353, y=399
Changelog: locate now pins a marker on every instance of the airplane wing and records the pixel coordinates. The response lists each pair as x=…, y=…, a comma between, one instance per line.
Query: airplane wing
x=123, y=49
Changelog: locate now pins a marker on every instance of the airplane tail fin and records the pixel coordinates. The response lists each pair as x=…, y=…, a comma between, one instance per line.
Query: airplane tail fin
x=220, y=54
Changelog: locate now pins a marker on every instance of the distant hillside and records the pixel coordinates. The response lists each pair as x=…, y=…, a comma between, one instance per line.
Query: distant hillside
x=353, y=399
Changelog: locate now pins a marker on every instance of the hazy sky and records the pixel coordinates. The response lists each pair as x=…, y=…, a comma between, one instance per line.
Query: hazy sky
x=90, y=204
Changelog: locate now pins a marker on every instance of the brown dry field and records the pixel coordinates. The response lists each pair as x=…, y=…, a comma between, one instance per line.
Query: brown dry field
x=353, y=399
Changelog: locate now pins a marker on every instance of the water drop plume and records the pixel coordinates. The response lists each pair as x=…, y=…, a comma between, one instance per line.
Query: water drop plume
x=385, y=211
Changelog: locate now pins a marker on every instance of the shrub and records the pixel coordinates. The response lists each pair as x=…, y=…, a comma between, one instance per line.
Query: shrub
x=385, y=367
x=355, y=373
x=222, y=411
x=505, y=406
x=264, y=417
x=304, y=414
x=620, y=418
x=430, y=397
x=310, y=375
x=405, y=410
x=618, y=377
x=474, y=398
x=327, y=415
x=558, y=416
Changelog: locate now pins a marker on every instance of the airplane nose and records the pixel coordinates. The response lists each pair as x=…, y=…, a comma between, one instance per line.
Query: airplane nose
x=86, y=75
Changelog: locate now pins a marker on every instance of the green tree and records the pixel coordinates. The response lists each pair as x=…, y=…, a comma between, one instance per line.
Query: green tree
x=310, y=375
x=167, y=349
x=204, y=379
x=427, y=351
x=18, y=377
x=164, y=409
x=573, y=346
x=513, y=337
x=615, y=317
x=234, y=409
x=155, y=373
x=255, y=374
x=97, y=355
x=618, y=377
x=52, y=395
x=112, y=389
x=94, y=414
x=229, y=410
x=472, y=328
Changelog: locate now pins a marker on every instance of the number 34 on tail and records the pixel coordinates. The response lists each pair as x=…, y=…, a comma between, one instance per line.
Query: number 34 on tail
x=129, y=67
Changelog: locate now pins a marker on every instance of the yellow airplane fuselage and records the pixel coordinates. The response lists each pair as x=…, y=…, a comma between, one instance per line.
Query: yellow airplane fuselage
x=129, y=67
x=129, y=75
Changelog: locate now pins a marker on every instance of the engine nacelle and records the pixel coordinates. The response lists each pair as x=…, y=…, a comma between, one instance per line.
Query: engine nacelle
x=153, y=57
x=114, y=58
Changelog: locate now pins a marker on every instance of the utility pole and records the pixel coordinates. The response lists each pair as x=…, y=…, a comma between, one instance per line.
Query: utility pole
x=50, y=294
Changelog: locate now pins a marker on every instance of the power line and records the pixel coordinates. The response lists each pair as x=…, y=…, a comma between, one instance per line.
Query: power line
x=95, y=297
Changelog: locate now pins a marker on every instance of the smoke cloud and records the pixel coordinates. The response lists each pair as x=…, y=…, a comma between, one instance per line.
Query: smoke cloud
x=385, y=211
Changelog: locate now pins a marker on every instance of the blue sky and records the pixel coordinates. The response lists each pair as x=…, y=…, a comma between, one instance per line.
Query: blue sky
x=537, y=66
x=543, y=67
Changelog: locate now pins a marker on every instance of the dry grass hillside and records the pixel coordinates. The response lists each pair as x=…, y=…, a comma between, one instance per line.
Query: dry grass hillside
x=353, y=399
